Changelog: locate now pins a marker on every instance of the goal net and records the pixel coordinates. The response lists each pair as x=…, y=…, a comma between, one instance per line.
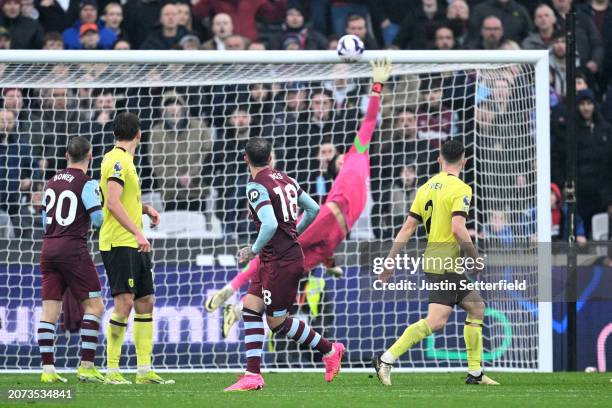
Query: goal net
x=198, y=109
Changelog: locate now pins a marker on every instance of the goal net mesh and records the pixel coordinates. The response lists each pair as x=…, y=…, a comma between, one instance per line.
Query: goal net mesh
x=195, y=121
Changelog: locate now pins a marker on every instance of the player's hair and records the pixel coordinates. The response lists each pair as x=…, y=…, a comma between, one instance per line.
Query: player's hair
x=125, y=126
x=400, y=110
x=557, y=35
x=111, y=4
x=321, y=91
x=78, y=149
x=452, y=151
x=52, y=36
x=258, y=151
x=355, y=17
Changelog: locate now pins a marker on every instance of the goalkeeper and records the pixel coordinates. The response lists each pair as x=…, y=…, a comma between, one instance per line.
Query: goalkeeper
x=344, y=204
x=442, y=205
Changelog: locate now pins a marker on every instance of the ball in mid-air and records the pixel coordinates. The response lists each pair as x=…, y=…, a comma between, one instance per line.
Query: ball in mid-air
x=350, y=48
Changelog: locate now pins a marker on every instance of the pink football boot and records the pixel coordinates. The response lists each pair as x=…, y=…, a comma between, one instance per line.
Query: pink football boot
x=332, y=363
x=247, y=382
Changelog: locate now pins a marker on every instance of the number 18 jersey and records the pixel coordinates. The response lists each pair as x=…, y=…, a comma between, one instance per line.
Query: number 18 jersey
x=275, y=188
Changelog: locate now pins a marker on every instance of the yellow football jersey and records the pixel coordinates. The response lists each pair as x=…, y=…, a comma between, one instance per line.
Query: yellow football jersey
x=118, y=165
x=436, y=202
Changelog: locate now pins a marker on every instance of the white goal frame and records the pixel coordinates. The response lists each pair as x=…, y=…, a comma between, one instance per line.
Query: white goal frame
x=538, y=59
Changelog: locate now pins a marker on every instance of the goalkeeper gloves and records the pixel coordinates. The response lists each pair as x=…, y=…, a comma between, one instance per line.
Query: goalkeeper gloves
x=381, y=71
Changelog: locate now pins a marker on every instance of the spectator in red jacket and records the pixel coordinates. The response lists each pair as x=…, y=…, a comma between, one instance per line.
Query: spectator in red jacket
x=435, y=121
x=244, y=13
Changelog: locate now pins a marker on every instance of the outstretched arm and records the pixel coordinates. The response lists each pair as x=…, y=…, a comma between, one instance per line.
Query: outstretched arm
x=381, y=70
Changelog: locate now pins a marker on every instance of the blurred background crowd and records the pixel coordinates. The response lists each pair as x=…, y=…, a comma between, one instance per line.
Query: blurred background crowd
x=310, y=124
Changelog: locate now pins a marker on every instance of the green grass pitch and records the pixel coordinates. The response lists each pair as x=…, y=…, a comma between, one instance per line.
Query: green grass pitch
x=558, y=390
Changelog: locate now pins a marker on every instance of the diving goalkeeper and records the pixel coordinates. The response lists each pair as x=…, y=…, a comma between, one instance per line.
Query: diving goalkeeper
x=442, y=205
x=344, y=204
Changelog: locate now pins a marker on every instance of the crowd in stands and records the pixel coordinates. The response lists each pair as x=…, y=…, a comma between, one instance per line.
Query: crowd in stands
x=309, y=124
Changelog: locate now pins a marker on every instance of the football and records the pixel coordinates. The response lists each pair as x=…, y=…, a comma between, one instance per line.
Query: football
x=350, y=48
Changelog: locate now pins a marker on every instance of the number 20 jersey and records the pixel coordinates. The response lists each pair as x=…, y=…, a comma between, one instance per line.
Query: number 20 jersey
x=275, y=188
x=70, y=196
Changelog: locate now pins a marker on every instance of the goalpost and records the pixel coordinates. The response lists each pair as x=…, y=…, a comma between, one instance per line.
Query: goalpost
x=196, y=110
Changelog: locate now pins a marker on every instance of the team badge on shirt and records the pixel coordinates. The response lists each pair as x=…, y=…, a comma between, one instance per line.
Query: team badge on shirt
x=466, y=203
x=253, y=196
x=117, y=167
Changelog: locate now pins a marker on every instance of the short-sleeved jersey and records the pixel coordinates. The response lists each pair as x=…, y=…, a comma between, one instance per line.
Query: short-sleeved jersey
x=274, y=187
x=70, y=196
x=118, y=166
x=437, y=201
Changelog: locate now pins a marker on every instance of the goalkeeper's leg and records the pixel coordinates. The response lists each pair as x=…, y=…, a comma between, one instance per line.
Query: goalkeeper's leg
x=472, y=334
x=242, y=278
x=436, y=320
x=46, y=340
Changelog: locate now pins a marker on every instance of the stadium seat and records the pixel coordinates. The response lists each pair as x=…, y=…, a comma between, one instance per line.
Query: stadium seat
x=599, y=227
x=154, y=199
x=6, y=227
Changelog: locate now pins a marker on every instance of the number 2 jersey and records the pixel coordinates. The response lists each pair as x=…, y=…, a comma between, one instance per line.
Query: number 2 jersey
x=274, y=187
x=70, y=197
x=437, y=201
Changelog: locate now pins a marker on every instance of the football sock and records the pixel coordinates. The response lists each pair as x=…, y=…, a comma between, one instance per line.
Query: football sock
x=89, y=338
x=46, y=342
x=253, y=339
x=472, y=333
x=302, y=333
x=411, y=336
x=143, y=340
x=114, y=339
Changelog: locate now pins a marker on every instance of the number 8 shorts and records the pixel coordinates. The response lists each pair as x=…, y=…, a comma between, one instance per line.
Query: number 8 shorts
x=276, y=282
